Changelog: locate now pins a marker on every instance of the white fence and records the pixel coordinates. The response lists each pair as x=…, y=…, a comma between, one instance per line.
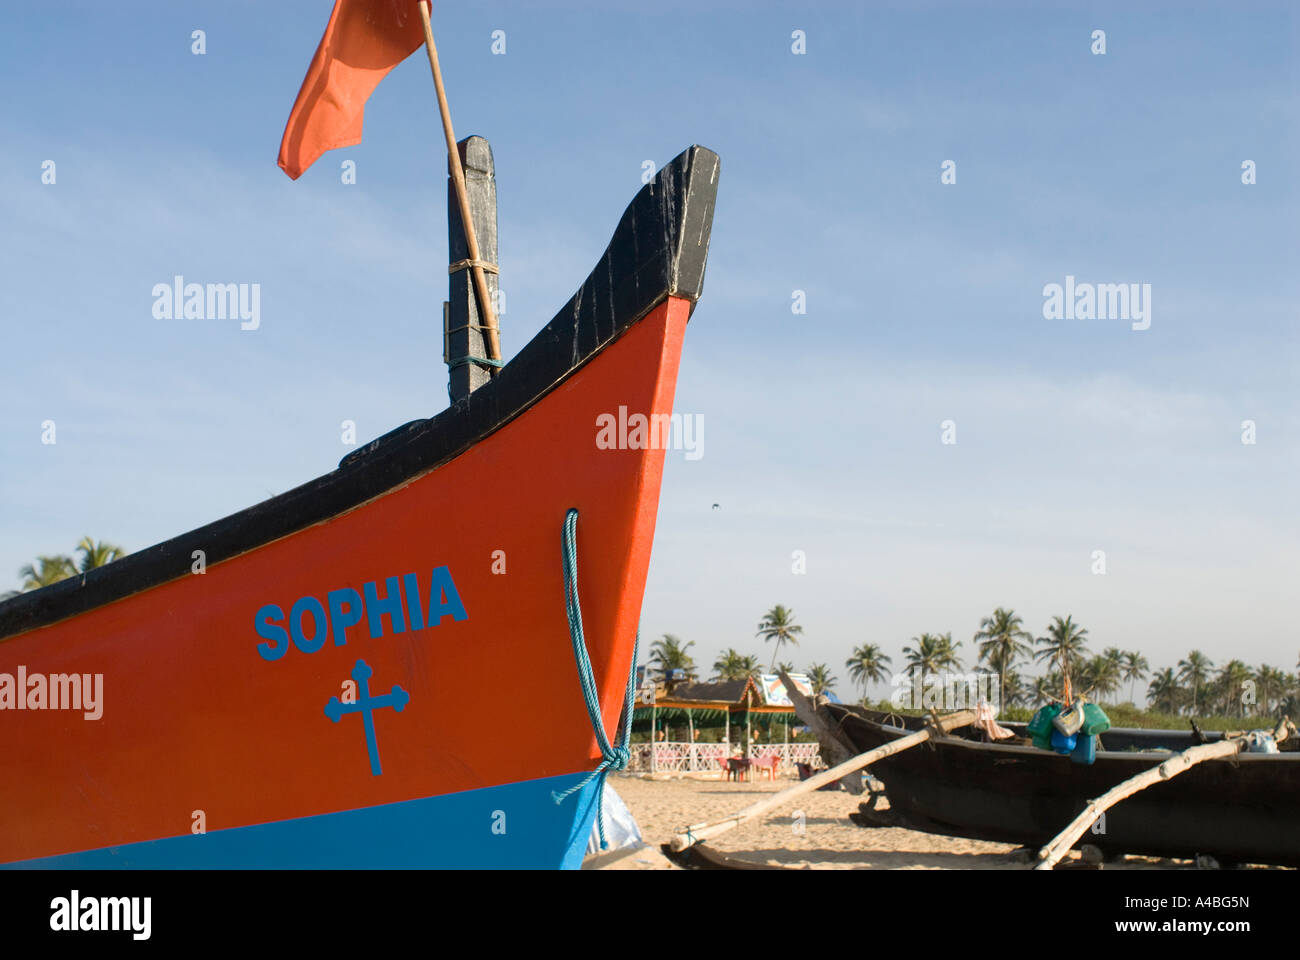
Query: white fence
x=671, y=756
x=790, y=753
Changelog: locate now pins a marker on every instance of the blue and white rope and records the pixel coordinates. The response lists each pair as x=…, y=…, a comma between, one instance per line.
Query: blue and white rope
x=613, y=757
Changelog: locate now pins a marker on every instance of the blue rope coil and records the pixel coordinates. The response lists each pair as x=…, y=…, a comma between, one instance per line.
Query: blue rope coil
x=613, y=757
x=453, y=364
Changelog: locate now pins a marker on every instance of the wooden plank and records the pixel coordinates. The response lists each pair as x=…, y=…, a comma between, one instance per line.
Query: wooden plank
x=836, y=748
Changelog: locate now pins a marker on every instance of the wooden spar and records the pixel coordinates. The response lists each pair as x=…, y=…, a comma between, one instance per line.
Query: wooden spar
x=465, y=325
x=834, y=747
x=458, y=176
x=1052, y=853
x=703, y=831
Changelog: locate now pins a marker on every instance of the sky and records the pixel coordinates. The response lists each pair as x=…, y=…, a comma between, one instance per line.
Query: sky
x=823, y=429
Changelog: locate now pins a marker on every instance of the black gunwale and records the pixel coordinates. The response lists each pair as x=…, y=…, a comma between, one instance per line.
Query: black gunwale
x=958, y=742
x=873, y=719
x=659, y=249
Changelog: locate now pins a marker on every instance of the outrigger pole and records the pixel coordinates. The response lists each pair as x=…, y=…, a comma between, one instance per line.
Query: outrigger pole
x=486, y=309
x=1060, y=845
x=703, y=831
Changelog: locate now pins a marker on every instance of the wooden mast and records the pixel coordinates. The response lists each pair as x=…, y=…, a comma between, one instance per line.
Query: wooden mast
x=465, y=324
x=485, y=305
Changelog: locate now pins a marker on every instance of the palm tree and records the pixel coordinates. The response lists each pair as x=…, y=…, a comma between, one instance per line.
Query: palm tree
x=1048, y=686
x=1100, y=676
x=1135, y=668
x=1014, y=691
x=45, y=571
x=1285, y=684
x=735, y=666
x=97, y=554
x=867, y=665
x=922, y=656
x=1232, y=676
x=1288, y=702
x=1164, y=692
x=1063, y=643
x=778, y=624
x=932, y=653
x=670, y=654
x=1271, y=683
x=819, y=676
x=947, y=652
x=785, y=665
x=1110, y=672
x=1002, y=640
x=1195, y=670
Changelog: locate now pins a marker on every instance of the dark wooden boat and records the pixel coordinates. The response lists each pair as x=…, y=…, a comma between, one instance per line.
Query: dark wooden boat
x=1244, y=810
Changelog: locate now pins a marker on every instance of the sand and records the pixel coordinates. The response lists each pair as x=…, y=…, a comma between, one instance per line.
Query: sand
x=823, y=838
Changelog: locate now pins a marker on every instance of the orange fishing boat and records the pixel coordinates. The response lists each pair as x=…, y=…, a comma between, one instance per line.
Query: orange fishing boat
x=376, y=668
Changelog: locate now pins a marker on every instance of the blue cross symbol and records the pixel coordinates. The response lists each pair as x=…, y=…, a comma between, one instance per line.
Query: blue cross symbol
x=366, y=705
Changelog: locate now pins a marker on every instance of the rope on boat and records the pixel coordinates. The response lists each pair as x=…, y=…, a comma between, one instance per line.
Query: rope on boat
x=453, y=364
x=470, y=264
x=612, y=757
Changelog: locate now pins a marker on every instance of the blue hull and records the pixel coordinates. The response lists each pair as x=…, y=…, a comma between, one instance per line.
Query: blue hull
x=513, y=826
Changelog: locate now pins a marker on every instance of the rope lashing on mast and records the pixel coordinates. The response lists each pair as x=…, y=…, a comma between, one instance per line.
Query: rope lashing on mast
x=453, y=364
x=483, y=265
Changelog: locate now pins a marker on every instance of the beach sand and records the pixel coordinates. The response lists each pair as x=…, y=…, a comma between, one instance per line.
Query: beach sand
x=822, y=839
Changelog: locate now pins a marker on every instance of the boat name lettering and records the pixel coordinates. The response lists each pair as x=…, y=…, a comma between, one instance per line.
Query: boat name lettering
x=395, y=610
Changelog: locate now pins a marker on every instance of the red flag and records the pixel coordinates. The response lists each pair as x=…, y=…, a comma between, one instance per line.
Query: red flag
x=363, y=41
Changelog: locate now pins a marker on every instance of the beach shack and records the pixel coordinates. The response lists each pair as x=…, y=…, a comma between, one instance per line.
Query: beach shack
x=700, y=727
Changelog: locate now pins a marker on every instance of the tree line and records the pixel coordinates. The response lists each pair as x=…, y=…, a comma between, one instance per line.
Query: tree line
x=46, y=570
x=1004, y=648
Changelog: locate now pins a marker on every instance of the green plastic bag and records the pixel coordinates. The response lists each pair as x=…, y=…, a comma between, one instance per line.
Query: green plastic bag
x=1095, y=720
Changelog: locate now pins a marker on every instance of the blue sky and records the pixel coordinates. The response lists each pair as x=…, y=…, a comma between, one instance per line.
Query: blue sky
x=822, y=430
